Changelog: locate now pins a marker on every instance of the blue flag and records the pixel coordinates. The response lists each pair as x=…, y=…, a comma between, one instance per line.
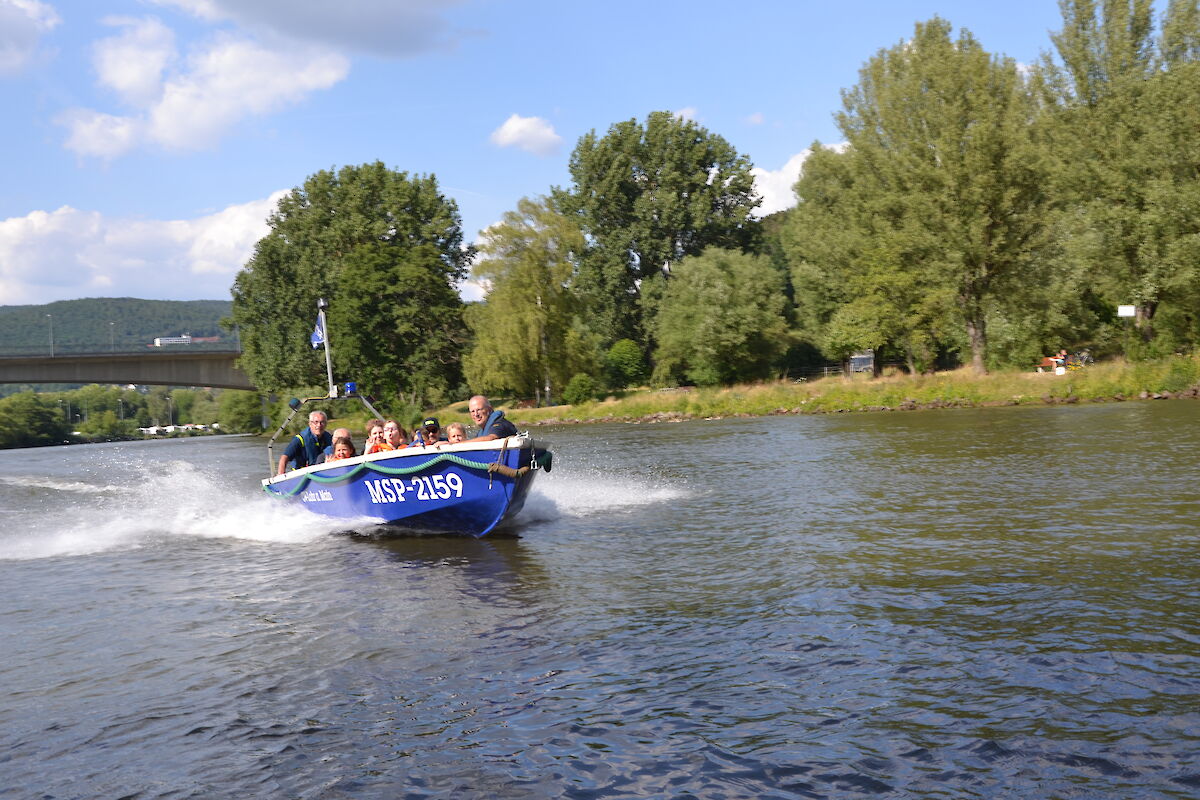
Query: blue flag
x=318, y=334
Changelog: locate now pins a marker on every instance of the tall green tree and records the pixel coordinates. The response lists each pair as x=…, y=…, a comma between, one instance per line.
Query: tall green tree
x=721, y=319
x=384, y=247
x=942, y=136
x=523, y=331
x=1124, y=130
x=858, y=261
x=647, y=196
x=28, y=420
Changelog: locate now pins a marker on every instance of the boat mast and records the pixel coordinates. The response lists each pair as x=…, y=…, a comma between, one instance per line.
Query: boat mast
x=323, y=304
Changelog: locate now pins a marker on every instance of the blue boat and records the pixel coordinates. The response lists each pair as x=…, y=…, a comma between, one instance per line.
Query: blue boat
x=468, y=488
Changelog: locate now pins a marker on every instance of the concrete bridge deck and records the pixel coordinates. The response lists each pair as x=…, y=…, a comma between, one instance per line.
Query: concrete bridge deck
x=171, y=368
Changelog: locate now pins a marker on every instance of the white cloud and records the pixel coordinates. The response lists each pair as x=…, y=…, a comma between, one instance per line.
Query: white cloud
x=776, y=187
x=224, y=81
x=233, y=79
x=22, y=23
x=757, y=118
x=689, y=113
x=132, y=63
x=532, y=134
x=69, y=253
x=397, y=28
x=94, y=133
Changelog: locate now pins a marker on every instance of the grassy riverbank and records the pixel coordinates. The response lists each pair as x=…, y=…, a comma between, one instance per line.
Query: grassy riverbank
x=1108, y=382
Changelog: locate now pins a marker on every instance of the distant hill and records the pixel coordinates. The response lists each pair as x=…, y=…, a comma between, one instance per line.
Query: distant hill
x=101, y=324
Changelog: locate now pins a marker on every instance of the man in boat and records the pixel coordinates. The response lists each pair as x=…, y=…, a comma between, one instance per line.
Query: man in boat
x=492, y=424
x=307, y=445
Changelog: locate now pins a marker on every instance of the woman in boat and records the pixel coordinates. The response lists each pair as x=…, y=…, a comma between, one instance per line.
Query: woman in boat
x=394, y=435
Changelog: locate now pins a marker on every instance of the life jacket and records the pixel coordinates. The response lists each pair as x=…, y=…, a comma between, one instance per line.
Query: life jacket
x=312, y=447
x=492, y=419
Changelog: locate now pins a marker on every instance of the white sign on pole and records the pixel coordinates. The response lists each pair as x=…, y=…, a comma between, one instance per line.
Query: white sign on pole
x=1126, y=311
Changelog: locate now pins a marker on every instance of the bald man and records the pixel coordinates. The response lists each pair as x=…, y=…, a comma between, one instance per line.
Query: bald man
x=491, y=423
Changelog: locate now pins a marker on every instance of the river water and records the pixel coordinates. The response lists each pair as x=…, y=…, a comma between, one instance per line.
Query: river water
x=956, y=604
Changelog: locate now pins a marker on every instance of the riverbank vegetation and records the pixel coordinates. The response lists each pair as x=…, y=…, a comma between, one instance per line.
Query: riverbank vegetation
x=107, y=413
x=978, y=212
x=1173, y=377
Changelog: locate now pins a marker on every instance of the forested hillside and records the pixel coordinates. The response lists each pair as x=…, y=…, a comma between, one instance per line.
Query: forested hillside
x=101, y=324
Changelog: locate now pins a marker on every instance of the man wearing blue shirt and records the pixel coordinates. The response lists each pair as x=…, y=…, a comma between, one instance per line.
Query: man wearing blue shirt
x=307, y=445
x=492, y=424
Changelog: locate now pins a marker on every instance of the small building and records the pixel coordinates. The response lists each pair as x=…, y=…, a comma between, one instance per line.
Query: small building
x=863, y=362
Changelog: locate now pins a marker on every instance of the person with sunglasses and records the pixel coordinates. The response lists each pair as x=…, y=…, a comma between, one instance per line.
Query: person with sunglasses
x=429, y=434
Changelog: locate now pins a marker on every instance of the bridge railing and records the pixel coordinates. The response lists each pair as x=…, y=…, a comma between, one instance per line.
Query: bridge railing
x=69, y=349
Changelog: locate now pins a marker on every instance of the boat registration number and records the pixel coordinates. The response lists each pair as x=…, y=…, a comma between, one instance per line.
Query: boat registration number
x=425, y=487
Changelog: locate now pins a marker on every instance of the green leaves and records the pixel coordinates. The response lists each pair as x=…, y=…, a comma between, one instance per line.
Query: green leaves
x=522, y=332
x=721, y=320
x=386, y=249
x=647, y=196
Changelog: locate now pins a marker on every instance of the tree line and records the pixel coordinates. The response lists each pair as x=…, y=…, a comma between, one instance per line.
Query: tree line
x=977, y=211
x=31, y=419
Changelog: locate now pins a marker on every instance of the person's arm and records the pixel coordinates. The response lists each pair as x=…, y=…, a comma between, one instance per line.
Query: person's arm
x=282, y=468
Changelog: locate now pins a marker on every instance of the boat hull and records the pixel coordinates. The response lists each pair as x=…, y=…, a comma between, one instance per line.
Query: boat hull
x=469, y=488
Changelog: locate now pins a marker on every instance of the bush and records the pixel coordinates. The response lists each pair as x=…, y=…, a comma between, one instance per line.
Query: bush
x=624, y=364
x=580, y=389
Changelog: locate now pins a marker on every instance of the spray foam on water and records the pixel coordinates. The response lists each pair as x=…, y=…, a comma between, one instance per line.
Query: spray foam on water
x=585, y=494
x=175, y=499
x=157, y=501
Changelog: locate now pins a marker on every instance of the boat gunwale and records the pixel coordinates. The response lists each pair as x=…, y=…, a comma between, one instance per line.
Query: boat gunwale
x=523, y=440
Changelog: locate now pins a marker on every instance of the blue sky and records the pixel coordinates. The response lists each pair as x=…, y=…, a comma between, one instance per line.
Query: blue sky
x=144, y=142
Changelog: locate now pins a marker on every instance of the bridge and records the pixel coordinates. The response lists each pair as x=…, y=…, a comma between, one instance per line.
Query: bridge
x=215, y=369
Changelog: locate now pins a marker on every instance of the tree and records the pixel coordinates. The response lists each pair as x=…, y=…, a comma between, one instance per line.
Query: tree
x=942, y=133
x=1124, y=127
x=647, y=196
x=403, y=324
x=624, y=364
x=362, y=223
x=521, y=331
x=240, y=412
x=28, y=420
x=721, y=319
x=858, y=265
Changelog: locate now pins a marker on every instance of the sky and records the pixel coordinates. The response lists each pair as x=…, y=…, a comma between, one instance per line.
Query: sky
x=143, y=143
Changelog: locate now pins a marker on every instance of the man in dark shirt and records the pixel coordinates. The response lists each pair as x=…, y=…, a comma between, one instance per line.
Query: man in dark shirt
x=307, y=445
x=492, y=424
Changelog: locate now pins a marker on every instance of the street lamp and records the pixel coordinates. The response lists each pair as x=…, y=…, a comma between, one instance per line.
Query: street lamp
x=112, y=342
x=51, y=318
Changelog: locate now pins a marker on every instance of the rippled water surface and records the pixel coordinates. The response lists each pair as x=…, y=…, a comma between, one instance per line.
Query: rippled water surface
x=984, y=603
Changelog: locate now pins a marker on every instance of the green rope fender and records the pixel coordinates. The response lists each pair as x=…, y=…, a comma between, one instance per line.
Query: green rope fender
x=453, y=459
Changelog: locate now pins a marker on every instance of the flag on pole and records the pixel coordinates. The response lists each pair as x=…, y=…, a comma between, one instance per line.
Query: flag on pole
x=318, y=334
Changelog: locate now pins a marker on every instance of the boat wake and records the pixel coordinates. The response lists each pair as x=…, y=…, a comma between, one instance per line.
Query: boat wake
x=585, y=494
x=173, y=500
x=57, y=485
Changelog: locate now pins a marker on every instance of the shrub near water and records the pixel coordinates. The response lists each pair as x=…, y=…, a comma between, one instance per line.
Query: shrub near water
x=859, y=393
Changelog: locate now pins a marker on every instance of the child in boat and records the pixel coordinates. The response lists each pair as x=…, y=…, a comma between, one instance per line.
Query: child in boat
x=375, y=439
x=343, y=447
x=455, y=433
